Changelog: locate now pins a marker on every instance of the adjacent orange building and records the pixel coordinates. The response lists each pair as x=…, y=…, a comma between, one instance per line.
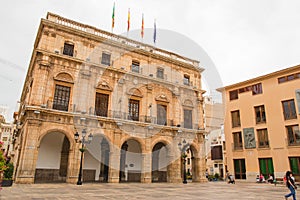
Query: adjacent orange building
x=261, y=125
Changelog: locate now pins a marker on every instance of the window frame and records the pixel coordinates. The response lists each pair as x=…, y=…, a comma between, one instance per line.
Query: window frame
x=293, y=141
x=290, y=112
x=135, y=66
x=68, y=49
x=237, y=140
x=235, y=120
x=262, y=114
x=263, y=138
x=106, y=59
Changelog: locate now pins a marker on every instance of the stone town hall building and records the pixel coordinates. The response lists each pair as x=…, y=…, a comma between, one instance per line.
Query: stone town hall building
x=138, y=101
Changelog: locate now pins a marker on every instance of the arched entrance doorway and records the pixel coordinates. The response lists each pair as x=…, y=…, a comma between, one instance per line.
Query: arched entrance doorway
x=191, y=164
x=130, y=162
x=159, y=163
x=53, y=158
x=96, y=160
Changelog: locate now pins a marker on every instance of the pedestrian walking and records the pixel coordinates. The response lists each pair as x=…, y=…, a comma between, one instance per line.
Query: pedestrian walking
x=290, y=183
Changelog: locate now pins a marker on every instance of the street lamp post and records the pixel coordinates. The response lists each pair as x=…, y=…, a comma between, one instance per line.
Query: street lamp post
x=83, y=142
x=182, y=148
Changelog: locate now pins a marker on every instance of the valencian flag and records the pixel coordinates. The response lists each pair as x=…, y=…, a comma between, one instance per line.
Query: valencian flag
x=142, y=30
x=154, y=34
x=128, y=22
x=113, y=18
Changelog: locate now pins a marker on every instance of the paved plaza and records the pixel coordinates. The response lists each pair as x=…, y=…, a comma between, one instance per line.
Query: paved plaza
x=203, y=191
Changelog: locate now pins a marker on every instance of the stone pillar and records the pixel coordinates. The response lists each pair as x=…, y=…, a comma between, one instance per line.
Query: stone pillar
x=200, y=165
x=41, y=80
x=74, y=164
x=29, y=152
x=174, y=170
x=146, y=168
x=114, y=166
x=114, y=158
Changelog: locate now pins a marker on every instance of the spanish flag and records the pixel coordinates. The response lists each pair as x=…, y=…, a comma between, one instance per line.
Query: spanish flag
x=128, y=22
x=113, y=18
x=142, y=30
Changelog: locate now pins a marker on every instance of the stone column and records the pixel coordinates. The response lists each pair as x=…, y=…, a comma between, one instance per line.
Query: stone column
x=114, y=158
x=146, y=168
x=200, y=164
x=29, y=153
x=114, y=166
x=74, y=164
x=174, y=170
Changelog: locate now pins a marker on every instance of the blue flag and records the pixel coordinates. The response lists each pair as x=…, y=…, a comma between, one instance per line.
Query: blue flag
x=154, y=34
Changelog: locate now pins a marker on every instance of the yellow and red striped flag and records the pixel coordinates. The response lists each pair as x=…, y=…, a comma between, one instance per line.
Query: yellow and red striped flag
x=142, y=30
x=113, y=17
x=128, y=21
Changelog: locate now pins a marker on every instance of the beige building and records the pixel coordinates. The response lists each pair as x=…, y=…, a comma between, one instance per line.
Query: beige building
x=262, y=125
x=137, y=101
x=215, y=138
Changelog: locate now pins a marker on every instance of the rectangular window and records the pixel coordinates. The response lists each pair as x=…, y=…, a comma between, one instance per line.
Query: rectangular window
x=188, y=120
x=135, y=66
x=161, y=114
x=298, y=100
x=266, y=166
x=216, y=152
x=289, y=109
x=262, y=135
x=260, y=114
x=105, y=59
x=186, y=79
x=233, y=95
x=293, y=135
x=68, y=49
x=235, y=118
x=239, y=168
x=61, y=98
x=295, y=165
x=4, y=139
x=133, y=109
x=160, y=73
x=101, y=104
x=237, y=141
x=257, y=89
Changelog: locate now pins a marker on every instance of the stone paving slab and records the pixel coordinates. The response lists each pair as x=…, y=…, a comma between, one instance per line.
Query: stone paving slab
x=154, y=191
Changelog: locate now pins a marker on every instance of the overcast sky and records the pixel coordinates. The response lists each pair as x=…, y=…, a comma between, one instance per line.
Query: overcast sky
x=243, y=38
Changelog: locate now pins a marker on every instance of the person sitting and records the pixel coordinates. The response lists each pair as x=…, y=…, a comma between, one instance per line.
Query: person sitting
x=257, y=179
x=262, y=178
x=231, y=179
x=270, y=179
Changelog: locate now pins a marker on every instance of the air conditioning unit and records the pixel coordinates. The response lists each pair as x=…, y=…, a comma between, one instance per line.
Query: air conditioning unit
x=56, y=51
x=151, y=75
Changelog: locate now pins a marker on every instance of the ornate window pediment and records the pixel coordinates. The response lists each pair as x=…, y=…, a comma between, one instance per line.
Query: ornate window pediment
x=163, y=98
x=188, y=103
x=65, y=77
x=103, y=85
x=135, y=92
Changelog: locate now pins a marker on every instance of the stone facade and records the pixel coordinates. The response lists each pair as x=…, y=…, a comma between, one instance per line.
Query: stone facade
x=138, y=102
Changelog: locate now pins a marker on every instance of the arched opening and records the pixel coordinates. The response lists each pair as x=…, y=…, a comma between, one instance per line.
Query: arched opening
x=188, y=163
x=130, y=162
x=96, y=160
x=159, y=163
x=53, y=158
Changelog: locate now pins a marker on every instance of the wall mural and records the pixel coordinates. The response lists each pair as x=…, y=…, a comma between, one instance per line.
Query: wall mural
x=249, y=138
